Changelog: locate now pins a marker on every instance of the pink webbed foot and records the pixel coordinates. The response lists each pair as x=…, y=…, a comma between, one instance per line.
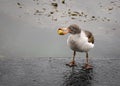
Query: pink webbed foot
x=71, y=64
x=88, y=66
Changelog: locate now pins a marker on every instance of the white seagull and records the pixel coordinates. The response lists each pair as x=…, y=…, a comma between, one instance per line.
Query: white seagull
x=79, y=41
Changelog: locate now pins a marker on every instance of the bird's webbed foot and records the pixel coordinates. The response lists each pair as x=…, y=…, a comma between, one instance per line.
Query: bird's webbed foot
x=71, y=64
x=88, y=66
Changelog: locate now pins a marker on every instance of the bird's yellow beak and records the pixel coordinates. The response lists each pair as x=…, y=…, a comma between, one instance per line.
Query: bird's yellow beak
x=62, y=31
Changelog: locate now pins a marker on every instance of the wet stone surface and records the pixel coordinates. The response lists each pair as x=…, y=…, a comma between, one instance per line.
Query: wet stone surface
x=54, y=72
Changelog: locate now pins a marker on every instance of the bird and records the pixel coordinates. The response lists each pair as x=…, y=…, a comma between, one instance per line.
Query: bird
x=79, y=40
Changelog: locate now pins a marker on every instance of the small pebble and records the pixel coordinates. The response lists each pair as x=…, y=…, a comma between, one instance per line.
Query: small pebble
x=93, y=16
x=54, y=4
x=63, y=1
x=51, y=12
x=18, y=4
x=111, y=8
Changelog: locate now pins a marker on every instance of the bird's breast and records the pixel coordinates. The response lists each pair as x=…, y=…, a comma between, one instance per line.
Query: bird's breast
x=78, y=43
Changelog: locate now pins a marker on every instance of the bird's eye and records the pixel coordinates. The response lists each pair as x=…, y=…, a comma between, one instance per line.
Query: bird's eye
x=71, y=29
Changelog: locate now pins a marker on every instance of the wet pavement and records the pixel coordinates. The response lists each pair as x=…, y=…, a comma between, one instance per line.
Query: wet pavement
x=53, y=72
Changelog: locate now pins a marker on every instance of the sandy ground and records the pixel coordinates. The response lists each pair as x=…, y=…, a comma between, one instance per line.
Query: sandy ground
x=54, y=72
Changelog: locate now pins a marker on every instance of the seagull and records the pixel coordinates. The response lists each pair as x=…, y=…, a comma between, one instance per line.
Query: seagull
x=79, y=41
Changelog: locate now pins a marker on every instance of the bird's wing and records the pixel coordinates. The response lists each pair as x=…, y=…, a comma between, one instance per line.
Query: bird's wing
x=90, y=36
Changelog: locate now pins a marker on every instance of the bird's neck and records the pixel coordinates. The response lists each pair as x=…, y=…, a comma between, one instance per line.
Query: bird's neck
x=75, y=36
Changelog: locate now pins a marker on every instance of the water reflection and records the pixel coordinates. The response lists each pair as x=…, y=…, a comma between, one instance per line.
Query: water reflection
x=78, y=77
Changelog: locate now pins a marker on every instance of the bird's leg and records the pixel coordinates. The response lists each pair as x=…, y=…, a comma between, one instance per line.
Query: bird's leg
x=72, y=63
x=86, y=57
x=87, y=65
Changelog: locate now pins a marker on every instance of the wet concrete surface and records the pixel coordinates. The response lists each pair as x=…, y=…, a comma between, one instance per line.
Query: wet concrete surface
x=50, y=71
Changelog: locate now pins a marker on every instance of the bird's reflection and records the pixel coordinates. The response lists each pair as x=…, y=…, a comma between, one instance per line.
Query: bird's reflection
x=78, y=77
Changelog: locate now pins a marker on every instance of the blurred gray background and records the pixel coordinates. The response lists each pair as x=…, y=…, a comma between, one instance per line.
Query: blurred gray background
x=28, y=28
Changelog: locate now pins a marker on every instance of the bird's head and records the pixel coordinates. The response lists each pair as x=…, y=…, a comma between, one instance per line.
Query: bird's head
x=72, y=29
